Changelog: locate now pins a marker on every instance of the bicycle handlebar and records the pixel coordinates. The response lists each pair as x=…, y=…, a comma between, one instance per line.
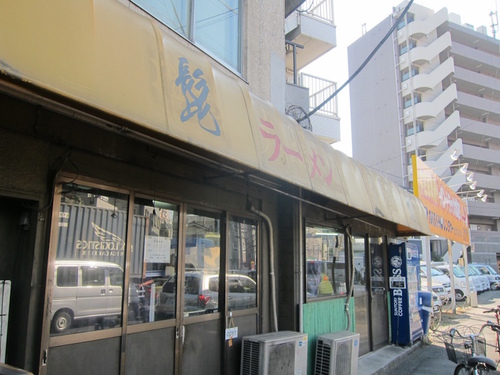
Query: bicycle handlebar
x=493, y=326
x=496, y=310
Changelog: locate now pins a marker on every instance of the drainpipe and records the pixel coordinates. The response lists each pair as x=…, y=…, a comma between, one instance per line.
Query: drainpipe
x=351, y=284
x=271, y=265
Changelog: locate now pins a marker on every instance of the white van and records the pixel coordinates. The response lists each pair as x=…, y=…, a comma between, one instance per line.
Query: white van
x=493, y=276
x=85, y=289
x=460, y=281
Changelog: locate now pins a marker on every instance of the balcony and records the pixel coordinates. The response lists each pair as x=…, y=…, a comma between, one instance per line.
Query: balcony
x=482, y=156
x=425, y=82
x=442, y=162
x=485, y=209
x=478, y=131
x=473, y=82
x=436, y=136
x=311, y=27
x=325, y=123
x=425, y=54
x=427, y=110
x=420, y=29
x=476, y=107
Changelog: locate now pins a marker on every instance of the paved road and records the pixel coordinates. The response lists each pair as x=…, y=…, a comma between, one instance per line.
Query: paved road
x=431, y=358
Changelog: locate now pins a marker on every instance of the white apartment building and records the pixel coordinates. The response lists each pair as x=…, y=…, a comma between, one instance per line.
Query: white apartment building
x=433, y=89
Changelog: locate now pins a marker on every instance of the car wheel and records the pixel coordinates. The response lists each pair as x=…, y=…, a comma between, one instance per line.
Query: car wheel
x=61, y=322
x=459, y=295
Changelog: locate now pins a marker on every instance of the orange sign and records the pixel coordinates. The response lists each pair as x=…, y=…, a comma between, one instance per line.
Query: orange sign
x=447, y=213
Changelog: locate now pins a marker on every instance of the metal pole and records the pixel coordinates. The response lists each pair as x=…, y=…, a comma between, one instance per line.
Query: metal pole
x=452, y=278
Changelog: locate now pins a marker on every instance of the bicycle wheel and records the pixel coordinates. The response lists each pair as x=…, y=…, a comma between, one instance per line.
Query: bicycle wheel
x=435, y=318
x=461, y=369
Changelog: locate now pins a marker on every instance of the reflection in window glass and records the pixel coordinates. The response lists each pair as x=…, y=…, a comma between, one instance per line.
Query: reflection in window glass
x=202, y=262
x=173, y=13
x=89, y=260
x=217, y=28
x=153, y=261
x=325, y=262
x=214, y=25
x=358, y=246
x=242, y=277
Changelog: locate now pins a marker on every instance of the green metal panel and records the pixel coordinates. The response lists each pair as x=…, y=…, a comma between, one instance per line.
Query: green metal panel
x=324, y=317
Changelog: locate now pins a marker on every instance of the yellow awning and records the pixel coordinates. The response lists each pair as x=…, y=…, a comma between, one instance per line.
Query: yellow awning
x=104, y=55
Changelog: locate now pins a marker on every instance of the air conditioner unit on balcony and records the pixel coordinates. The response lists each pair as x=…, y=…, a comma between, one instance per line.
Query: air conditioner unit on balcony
x=282, y=352
x=337, y=354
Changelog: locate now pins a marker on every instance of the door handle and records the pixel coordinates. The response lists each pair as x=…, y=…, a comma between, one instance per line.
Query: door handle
x=103, y=292
x=179, y=333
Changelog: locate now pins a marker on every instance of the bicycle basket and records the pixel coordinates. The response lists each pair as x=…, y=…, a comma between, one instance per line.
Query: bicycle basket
x=481, y=346
x=458, y=351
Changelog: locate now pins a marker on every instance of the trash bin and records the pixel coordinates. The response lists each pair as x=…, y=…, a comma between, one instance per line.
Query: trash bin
x=426, y=310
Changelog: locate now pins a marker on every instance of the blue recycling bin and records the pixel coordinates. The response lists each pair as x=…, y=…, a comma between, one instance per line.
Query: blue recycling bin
x=425, y=300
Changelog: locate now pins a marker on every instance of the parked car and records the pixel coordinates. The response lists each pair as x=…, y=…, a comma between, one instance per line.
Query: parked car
x=437, y=290
x=201, y=294
x=493, y=276
x=88, y=290
x=441, y=284
x=460, y=283
x=476, y=279
x=485, y=283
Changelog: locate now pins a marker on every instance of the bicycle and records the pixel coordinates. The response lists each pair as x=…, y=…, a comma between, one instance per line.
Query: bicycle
x=470, y=356
x=496, y=311
x=436, y=314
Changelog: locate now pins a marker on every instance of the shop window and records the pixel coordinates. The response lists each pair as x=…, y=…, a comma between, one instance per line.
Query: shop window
x=242, y=273
x=325, y=263
x=90, y=256
x=211, y=24
x=153, y=261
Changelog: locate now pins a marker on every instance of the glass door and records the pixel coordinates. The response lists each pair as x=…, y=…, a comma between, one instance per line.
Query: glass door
x=379, y=311
x=86, y=279
x=200, y=318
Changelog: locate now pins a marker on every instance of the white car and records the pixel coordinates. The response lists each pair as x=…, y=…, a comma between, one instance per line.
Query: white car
x=493, y=276
x=485, y=283
x=439, y=281
x=460, y=283
x=438, y=290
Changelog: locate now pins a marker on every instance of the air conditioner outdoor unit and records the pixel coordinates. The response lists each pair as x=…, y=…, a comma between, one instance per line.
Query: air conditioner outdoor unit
x=273, y=353
x=337, y=354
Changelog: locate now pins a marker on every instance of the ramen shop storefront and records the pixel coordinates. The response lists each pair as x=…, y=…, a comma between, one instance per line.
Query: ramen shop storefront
x=156, y=211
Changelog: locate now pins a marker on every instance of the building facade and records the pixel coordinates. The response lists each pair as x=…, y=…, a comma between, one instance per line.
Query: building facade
x=157, y=204
x=432, y=91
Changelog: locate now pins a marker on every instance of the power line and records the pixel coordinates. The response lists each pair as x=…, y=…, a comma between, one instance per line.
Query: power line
x=367, y=60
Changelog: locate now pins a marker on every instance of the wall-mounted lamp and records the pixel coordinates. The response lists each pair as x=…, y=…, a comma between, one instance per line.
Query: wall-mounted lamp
x=479, y=193
x=455, y=155
x=463, y=168
x=472, y=184
x=470, y=177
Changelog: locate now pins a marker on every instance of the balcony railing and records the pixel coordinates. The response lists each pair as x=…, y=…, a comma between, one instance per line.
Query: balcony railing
x=320, y=9
x=319, y=90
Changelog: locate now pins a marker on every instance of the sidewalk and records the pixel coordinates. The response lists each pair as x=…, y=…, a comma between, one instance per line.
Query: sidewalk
x=428, y=356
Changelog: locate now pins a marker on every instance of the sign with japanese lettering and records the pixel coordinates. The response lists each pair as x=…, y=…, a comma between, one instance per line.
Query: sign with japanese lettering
x=447, y=213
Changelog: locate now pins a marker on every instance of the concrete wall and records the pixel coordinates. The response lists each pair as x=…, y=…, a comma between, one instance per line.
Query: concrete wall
x=374, y=104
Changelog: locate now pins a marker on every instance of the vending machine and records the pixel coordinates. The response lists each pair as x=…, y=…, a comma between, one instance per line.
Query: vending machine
x=404, y=269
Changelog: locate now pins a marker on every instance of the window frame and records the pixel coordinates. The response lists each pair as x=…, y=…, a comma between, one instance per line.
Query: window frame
x=148, y=6
x=346, y=260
